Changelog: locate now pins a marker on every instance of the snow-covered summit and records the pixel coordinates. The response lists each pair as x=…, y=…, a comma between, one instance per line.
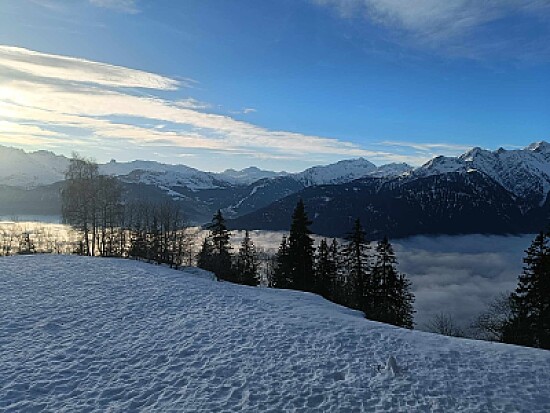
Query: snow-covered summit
x=391, y=170
x=162, y=175
x=90, y=334
x=248, y=175
x=523, y=172
x=30, y=169
x=347, y=171
x=339, y=172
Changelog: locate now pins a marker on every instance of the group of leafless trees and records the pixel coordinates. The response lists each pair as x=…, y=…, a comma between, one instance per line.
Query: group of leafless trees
x=93, y=203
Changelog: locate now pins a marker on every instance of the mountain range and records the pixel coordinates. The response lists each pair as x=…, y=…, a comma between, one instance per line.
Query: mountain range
x=502, y=191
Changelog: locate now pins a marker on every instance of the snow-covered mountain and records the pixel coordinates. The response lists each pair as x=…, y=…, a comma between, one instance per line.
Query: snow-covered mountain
x=523, y=172
x=163, y=175
x=347, y=171
x=30, y=169
x=248, y=175
x=512, y=185
x=82, y=333
x=498, y=192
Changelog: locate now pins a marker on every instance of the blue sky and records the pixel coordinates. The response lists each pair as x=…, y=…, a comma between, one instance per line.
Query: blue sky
x=281, y=84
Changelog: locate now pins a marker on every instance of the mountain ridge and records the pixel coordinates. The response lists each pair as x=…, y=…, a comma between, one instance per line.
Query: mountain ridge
x=501, y=191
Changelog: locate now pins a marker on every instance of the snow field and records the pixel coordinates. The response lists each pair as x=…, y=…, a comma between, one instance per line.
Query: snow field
x=89, y=334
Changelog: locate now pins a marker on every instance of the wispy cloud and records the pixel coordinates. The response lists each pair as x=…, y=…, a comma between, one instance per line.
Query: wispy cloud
x=459, y=27
x=420, y=146
x=244, y=111
x=190, y=103
x=70, y=69
x=126, y=6
x=82, y=99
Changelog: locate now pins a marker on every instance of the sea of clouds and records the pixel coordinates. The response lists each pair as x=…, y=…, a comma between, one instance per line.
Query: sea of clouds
x=457, y=275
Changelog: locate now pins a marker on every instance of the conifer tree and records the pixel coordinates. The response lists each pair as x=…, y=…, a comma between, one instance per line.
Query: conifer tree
x=357, y=268
x=300, y=250
x=281, y=273
x=390, y=300
x=530, y=322
x=205, y=258
x=247, y=263
x=338, y=287
x=325, y=271
x=220, y=254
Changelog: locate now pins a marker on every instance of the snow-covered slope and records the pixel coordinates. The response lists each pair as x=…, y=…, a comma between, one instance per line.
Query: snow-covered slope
x=163, y=175
x=391, y=170
x=348, y=170
x=30, y=169
x=248, y=175
x=524, y=172
x=88, y=334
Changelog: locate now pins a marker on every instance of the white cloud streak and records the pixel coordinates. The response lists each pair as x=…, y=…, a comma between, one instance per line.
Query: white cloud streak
x=70, y=69
x=126, y=6
x=70, y=93
x=419, y=146
x=450, y=26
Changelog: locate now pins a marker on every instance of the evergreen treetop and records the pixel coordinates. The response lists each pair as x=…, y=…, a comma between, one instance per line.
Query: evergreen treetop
x=247, y=262
x=300, y=250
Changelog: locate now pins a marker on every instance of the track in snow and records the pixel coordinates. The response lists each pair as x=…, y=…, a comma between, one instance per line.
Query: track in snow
x=89, y=334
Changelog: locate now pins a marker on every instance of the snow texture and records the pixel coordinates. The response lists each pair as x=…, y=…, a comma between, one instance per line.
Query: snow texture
x=89, y=334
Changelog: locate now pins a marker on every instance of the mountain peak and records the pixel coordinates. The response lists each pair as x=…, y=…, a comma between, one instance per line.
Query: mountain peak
x=541, y=146
x=475, y=153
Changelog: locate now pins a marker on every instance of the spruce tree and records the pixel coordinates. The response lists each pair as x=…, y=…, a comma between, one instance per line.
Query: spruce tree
x=355, y=254
x=325, y=271
x=205, y=257
x=300, y=250
x=281, y=273
x=338, y=287
x=530, y=323
x=221, y=254
x=247, y=263
x=390, y=299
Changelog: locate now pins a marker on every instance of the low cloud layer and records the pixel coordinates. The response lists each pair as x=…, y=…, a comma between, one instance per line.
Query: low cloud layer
x=458, y=275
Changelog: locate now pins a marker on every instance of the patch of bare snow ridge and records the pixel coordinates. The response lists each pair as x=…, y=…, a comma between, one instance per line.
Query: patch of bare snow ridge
x=88, y=334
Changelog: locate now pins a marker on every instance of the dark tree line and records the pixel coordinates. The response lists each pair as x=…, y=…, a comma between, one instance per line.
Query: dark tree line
x=216, y=255
x=349, y=274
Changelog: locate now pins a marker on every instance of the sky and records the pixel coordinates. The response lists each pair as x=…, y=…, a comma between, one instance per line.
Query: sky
x=279, y=84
